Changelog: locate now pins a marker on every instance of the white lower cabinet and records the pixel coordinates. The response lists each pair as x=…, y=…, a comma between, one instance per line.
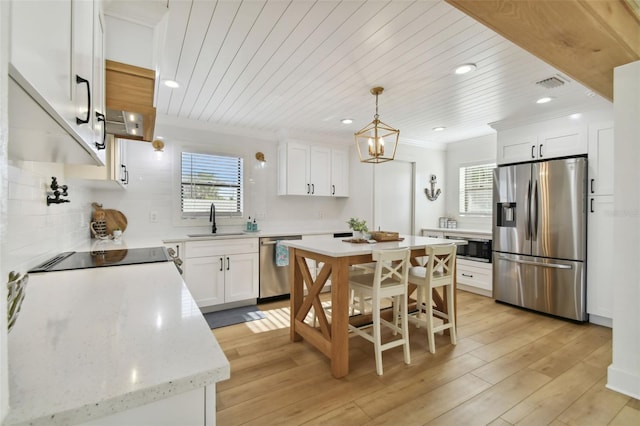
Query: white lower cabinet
x=196, y=407
x=601, y=259
x=475, y=277
x=221, y=271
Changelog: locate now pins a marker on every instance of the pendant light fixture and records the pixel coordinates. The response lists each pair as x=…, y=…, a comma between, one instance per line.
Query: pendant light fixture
x=376, y=138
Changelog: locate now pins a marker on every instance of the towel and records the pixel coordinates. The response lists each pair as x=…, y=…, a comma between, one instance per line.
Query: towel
x=281, y=254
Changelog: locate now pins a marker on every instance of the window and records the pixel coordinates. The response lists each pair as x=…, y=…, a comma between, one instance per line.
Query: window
x=210, y=179
x=476, y=189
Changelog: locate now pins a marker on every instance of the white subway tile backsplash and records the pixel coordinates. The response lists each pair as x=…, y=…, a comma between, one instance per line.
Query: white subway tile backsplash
x=36, y=231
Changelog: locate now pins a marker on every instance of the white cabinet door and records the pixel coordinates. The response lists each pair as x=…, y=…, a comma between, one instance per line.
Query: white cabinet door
x=601, y=257
x=241, y=277
x=514, y=148
x=339, y=172
x=320, y=171
x=562, y=143
x=297, y=169
x=82, y=53
x=601, y=159
x=41, y=49
x=121, y=170
x=99, y=109
x=204, y=277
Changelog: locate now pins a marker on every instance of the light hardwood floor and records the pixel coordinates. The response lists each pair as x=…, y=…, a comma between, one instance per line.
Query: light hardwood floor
x=509, y=367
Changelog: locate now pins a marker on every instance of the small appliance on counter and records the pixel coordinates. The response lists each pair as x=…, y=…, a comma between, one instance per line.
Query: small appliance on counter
x=100, y=258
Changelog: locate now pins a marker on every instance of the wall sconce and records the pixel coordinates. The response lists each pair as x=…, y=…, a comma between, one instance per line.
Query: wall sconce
x=260, y=158
x=158, y=147
x=432, y=194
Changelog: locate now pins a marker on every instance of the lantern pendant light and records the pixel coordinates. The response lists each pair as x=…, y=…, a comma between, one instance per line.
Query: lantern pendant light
x=376, y=138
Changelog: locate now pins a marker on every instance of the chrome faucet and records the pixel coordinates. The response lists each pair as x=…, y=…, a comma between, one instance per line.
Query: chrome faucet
x=212, y=218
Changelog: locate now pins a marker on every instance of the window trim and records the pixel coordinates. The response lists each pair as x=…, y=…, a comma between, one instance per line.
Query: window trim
x=492, y=165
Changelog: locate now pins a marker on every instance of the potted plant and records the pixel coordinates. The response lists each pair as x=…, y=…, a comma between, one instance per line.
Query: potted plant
x=359, y=227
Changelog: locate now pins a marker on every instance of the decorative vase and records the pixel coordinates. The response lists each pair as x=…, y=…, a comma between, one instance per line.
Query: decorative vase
x=358, y=235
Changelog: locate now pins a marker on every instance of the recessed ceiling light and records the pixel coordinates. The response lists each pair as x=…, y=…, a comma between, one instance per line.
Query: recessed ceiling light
x=171, y=83
x=438, y=129
x=346, y=121
x=160, y=137
x=465, y=68
x=575, y=116
x=544, y=100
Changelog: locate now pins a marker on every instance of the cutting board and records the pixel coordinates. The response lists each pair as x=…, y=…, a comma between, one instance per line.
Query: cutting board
x=114, y=218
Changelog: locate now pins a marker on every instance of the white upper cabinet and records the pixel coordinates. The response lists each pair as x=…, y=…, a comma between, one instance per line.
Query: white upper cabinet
x=339, y=172
x=601, y=159
x=52, y=60
x=305, y=169
x=521, y=144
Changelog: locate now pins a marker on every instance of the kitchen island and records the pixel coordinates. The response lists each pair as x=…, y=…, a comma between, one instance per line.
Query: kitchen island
x=114, y=345
x=332, y=339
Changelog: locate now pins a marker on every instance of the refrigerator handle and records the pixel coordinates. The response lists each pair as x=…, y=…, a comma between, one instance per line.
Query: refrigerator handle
x=528, y=210
x=534, y=225
x=530, y=262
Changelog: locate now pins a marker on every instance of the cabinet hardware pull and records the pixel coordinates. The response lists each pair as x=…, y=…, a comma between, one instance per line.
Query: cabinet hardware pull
x=533, y=155
x=467, y=275
x=592, y=185
x=591, y=206
x=125, y=178
x=228, y=263
x=308, y=189
x=221, y=264
x=313, y=189
x=101, y=118
x=540, y=151
x=178, y=249
x=333, y=190
x=80, y=80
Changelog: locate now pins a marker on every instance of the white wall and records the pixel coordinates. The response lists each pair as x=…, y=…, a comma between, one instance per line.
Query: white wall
x=151, y=189
x=4, y=53
x=624, y=372
x=479, y=150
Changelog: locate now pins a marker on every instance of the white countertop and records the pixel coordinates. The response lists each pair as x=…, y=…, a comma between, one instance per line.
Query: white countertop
x=92, y=342
x=245, y=234
x=485, y=232
x=335, y=247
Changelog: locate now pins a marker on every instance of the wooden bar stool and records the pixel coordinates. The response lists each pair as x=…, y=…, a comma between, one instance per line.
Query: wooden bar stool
x=438, y=272
x=388, y=280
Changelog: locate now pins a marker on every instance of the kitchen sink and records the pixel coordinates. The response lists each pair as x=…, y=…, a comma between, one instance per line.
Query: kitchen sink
x=217, y=234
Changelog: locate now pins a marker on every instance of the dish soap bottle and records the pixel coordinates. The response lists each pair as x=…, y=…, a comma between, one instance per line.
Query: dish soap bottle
x=254, y=225
x=249, y=227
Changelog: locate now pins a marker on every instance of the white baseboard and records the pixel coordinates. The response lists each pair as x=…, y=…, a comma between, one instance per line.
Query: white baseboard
x=603, y=321
x=624, y=382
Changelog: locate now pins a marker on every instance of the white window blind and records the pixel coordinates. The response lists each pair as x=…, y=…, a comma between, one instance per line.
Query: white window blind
x=210, y=179
x=476, y=189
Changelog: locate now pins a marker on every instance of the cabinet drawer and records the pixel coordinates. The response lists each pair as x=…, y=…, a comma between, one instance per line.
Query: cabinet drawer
x=218, y=247
x=476, y=274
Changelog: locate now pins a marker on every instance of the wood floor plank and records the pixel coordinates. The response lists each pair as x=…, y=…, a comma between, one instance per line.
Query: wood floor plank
x=490, y=404
x=548, y=402
x=598, y=406
x=509, y=366
x=559, y=361
x=424, y=408
x=627, y=417
x=415, y=385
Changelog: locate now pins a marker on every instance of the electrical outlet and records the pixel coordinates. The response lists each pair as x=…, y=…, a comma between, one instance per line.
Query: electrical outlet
x=153, y=216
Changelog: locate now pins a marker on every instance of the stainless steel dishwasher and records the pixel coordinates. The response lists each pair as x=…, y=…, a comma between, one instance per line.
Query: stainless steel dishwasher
x=274, y=280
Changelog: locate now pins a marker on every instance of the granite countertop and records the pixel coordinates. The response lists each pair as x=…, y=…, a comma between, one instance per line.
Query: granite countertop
x=92, y=342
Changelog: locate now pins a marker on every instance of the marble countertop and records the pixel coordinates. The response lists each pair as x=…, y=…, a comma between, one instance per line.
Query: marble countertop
x=92, y=342
x=335, y=247
x=245, y=234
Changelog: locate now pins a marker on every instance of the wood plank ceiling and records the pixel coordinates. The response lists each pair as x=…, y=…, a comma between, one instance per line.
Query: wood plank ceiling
x=302, y=66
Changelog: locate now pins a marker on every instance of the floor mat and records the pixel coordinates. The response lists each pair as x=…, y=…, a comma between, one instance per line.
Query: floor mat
x=233, y=316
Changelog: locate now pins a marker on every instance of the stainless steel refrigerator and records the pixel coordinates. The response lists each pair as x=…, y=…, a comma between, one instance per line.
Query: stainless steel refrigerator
x=539, y=236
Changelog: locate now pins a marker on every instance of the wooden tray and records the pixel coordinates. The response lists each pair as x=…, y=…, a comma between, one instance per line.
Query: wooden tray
x=356, y=241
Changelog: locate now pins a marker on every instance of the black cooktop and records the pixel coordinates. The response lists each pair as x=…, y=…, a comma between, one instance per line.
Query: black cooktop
x=100, y=258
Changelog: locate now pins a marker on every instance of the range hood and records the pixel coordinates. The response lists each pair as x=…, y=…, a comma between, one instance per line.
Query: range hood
x=129, y=101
